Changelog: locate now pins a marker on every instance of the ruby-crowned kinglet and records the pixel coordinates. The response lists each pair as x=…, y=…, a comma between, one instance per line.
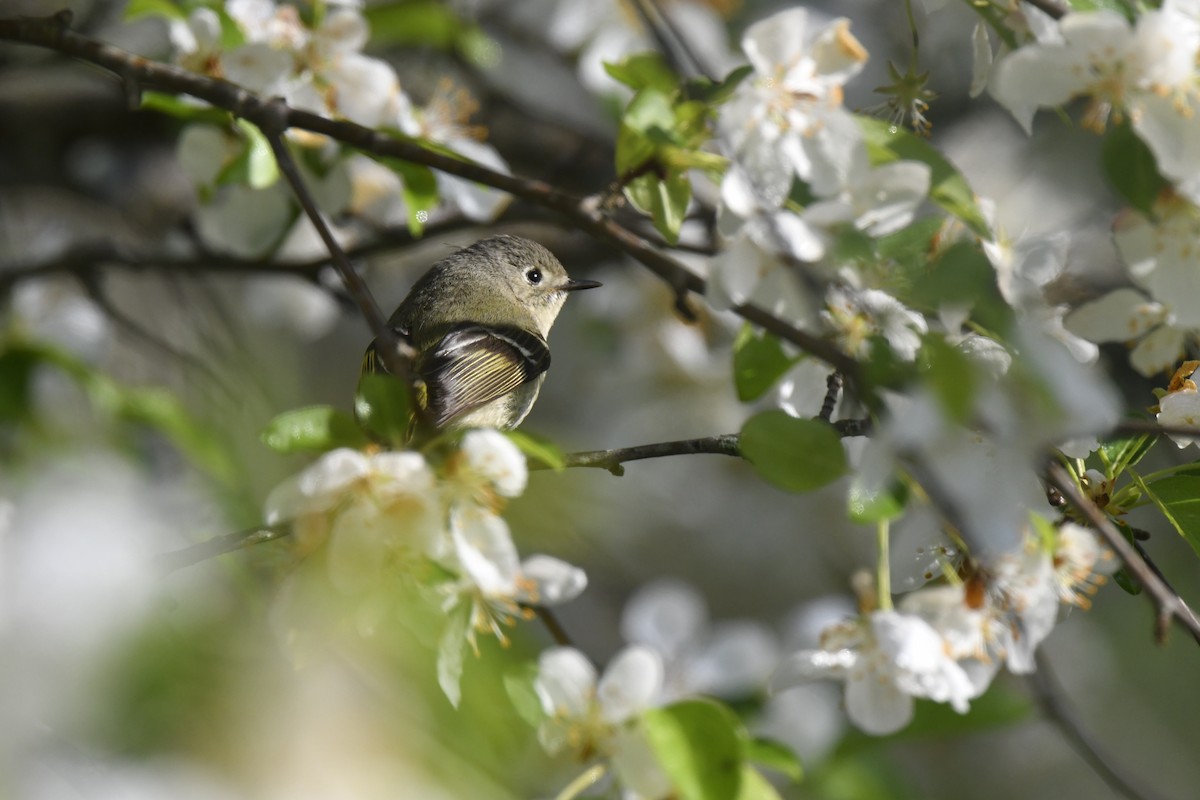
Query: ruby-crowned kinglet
x=478, y=320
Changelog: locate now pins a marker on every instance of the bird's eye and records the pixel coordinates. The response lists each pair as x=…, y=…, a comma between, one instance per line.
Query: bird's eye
x=534, y=276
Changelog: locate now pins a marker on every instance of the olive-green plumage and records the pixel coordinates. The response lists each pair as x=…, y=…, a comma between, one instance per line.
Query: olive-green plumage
x=478, y=320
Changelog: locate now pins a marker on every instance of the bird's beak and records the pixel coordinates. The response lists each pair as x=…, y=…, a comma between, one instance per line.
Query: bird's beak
x=574, y=285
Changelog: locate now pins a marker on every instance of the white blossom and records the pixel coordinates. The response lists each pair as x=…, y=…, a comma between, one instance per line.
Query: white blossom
x=1144, y=72
x=597, y=717
x=857, y=315
x=787, y=119
x=886, y=659
x=492, y=457
x=1181, y=409
x=1127, y=315
x=729, y=659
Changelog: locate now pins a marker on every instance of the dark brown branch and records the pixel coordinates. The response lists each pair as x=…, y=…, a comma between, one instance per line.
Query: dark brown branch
x=1168, y=605
x=833, y=390
x=611, y=460
x=670, y=41
x=1050, y=699
x=555, y=628
x=274, y=115
x=725, y=444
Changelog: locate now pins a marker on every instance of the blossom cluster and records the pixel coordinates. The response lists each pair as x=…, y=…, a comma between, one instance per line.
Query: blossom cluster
x=947, y=642
x=1142, y=73
x=389, y=517
x=317, y=64
x=803, y=180
x=785, y=127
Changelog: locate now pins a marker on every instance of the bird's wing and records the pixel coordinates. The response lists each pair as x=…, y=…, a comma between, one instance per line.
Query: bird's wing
x=473, y=365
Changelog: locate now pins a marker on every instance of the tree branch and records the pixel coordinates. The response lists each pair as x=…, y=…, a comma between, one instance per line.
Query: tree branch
x=725, y=444
x=611, y=460
x=274, y=115
x=1168, y=605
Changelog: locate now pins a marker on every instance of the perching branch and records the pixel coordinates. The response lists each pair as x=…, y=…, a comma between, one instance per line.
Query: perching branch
x=611, y=460
x=725, y=444
x=139, y=73
x=1167, y=603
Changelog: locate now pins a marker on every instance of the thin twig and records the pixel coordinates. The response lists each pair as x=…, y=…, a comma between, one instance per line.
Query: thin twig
x=833, y=390
x=1051, y=700
x=220, y=545
x=397, y=354
x=611, y=460
x=725, y=444
x=550, y=620
x=53, y=33
x=1168, y=605
x=670, y=40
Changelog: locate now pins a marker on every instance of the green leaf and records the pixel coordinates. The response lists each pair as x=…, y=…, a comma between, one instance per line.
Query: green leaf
x=231, y=33
x=423, y=23
x=451, y=650
x=419, y=188
x=665, y=200
x=711, y=93
x=180, y=109
x=910, y=243
x=1122, y=576
x=642, y=71
x=961, y=275
x=17, y=367
x=539, y=450
x=867, y=507
x=947, y=187
x=151, y=407
x=519, y=686
x=261, y=169
x=650, y=109
x=754, y=786
x=162, y=410
x=699, y=744
x=136, y=9
x=1120, y=454
x=1130, y=168
x=950, y=374
x=315, y=428
x=1178, y=497
x=776, y=756
x=794, y=454
x=383, y=407
x=759, y=361
x=1123, y=7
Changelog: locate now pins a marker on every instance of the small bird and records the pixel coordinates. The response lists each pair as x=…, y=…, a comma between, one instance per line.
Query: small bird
x=478, y=320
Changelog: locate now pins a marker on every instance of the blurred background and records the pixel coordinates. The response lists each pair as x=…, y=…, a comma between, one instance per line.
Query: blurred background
x=132, y=429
